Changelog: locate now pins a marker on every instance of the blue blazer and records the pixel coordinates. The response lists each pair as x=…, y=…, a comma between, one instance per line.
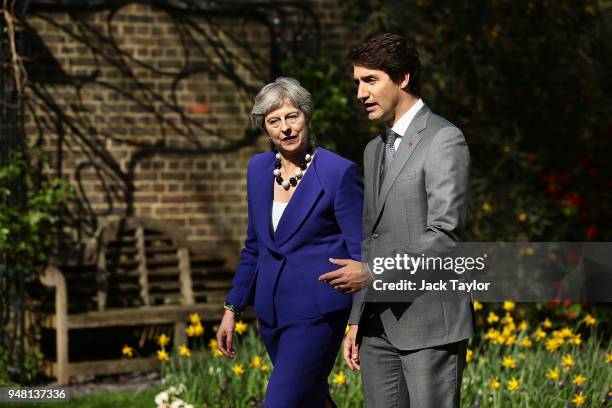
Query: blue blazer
x=278, y=271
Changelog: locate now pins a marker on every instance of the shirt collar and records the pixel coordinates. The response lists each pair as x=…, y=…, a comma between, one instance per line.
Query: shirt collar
x=402, y=124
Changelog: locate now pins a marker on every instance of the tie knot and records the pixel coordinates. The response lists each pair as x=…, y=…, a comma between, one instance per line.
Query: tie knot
x=391, y=136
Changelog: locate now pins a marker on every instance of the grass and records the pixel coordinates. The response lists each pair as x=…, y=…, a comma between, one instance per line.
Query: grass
x=141, y=399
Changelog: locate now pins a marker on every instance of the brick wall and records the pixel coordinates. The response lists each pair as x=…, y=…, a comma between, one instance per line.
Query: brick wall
x=145, y=111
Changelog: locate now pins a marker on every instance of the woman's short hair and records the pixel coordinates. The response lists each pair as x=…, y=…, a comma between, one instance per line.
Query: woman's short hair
x=275, y=93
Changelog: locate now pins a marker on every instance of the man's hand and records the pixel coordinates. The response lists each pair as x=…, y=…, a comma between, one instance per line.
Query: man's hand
x=351, y=278
x=351, y=348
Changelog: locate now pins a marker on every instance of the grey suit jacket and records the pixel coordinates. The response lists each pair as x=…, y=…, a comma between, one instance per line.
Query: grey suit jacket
x=421, y=207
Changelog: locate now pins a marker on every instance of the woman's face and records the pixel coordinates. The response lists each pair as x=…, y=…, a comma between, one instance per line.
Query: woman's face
x=287, y=128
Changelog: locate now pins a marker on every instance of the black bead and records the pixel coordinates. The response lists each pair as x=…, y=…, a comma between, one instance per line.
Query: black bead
x=293, y=181
x=279, y=179
x=278, y=164
x=303, y=165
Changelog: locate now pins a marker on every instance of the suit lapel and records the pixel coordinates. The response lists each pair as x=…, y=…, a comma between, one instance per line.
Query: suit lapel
x=376, y=170
x=410, y=141
x=263, y=194
x=302, y=201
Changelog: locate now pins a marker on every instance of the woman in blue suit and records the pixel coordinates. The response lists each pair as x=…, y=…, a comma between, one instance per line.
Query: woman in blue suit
x=305, y=207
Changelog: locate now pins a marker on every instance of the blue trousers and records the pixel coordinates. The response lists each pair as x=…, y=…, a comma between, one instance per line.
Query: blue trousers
x=303, y=353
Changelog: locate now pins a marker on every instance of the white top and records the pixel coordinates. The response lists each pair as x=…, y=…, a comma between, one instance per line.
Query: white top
x=277, y=211
x=402, y=124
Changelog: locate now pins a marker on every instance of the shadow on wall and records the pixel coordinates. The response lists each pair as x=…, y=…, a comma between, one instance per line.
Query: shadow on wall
x=146, y=108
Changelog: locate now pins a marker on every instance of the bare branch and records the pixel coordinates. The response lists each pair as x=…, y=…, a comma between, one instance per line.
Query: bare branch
x=19, y=73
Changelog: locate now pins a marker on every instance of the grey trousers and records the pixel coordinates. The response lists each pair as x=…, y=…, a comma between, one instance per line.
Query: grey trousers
x=426, y=378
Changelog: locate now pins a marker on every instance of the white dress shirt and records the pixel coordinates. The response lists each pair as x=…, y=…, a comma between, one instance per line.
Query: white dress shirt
x=402, y=124
x=278, y=208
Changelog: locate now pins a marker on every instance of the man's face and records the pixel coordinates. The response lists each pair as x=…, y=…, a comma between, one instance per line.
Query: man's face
x=380, y=96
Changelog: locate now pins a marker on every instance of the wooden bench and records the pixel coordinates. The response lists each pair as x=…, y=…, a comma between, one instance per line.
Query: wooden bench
x=137, y=272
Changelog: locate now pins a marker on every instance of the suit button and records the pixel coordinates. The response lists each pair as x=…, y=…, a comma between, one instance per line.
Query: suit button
x=375, y=235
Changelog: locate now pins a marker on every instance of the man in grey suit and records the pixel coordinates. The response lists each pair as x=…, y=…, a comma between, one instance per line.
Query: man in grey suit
x=410, y=354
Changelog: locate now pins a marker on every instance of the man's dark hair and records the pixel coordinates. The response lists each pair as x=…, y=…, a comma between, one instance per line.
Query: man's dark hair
x=392, y=54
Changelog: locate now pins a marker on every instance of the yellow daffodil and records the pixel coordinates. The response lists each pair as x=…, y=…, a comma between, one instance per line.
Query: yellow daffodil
x=256, y=362
x=492, y=334
x=494, y=384
x=184, y=351
x=127, y=351
x=163, y=340
x=608, y=358
x=513, y=384
x=523, y=325
x=486, y=207
x=576, y=340
x=525, y=342
x=547, y=324
x=469, y=356
x=162, y=355
x=553, y=374
x=509, y=306
x=508, y=329
x=492, y=318
x=238, y=369
x=553, y=345
x=579, y=379
x=590, y=321
x=213, y=347
x=264, y=367
x=477, y=306
x=508, y=320
x=567, y=361
x=540, y=334
x=339, y=379
x=579, y=399
x=564, y=333
x=510, y=340
x=522, y=217
x=241, y=327
x=195, y=319
x=190, y=331
x=508, y=362
x=198, y=330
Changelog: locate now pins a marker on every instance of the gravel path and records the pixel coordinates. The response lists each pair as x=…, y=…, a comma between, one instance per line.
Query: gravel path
x=98, y=385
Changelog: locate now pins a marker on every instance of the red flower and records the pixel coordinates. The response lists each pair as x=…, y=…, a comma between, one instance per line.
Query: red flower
x=591, y=231
x=550, y=177
x=572, y=200
x=584, y=159
x=572, y=257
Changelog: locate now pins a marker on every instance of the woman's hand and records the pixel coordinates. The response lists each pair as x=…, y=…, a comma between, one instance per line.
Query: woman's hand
x=225, y=334
x=351, y=348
